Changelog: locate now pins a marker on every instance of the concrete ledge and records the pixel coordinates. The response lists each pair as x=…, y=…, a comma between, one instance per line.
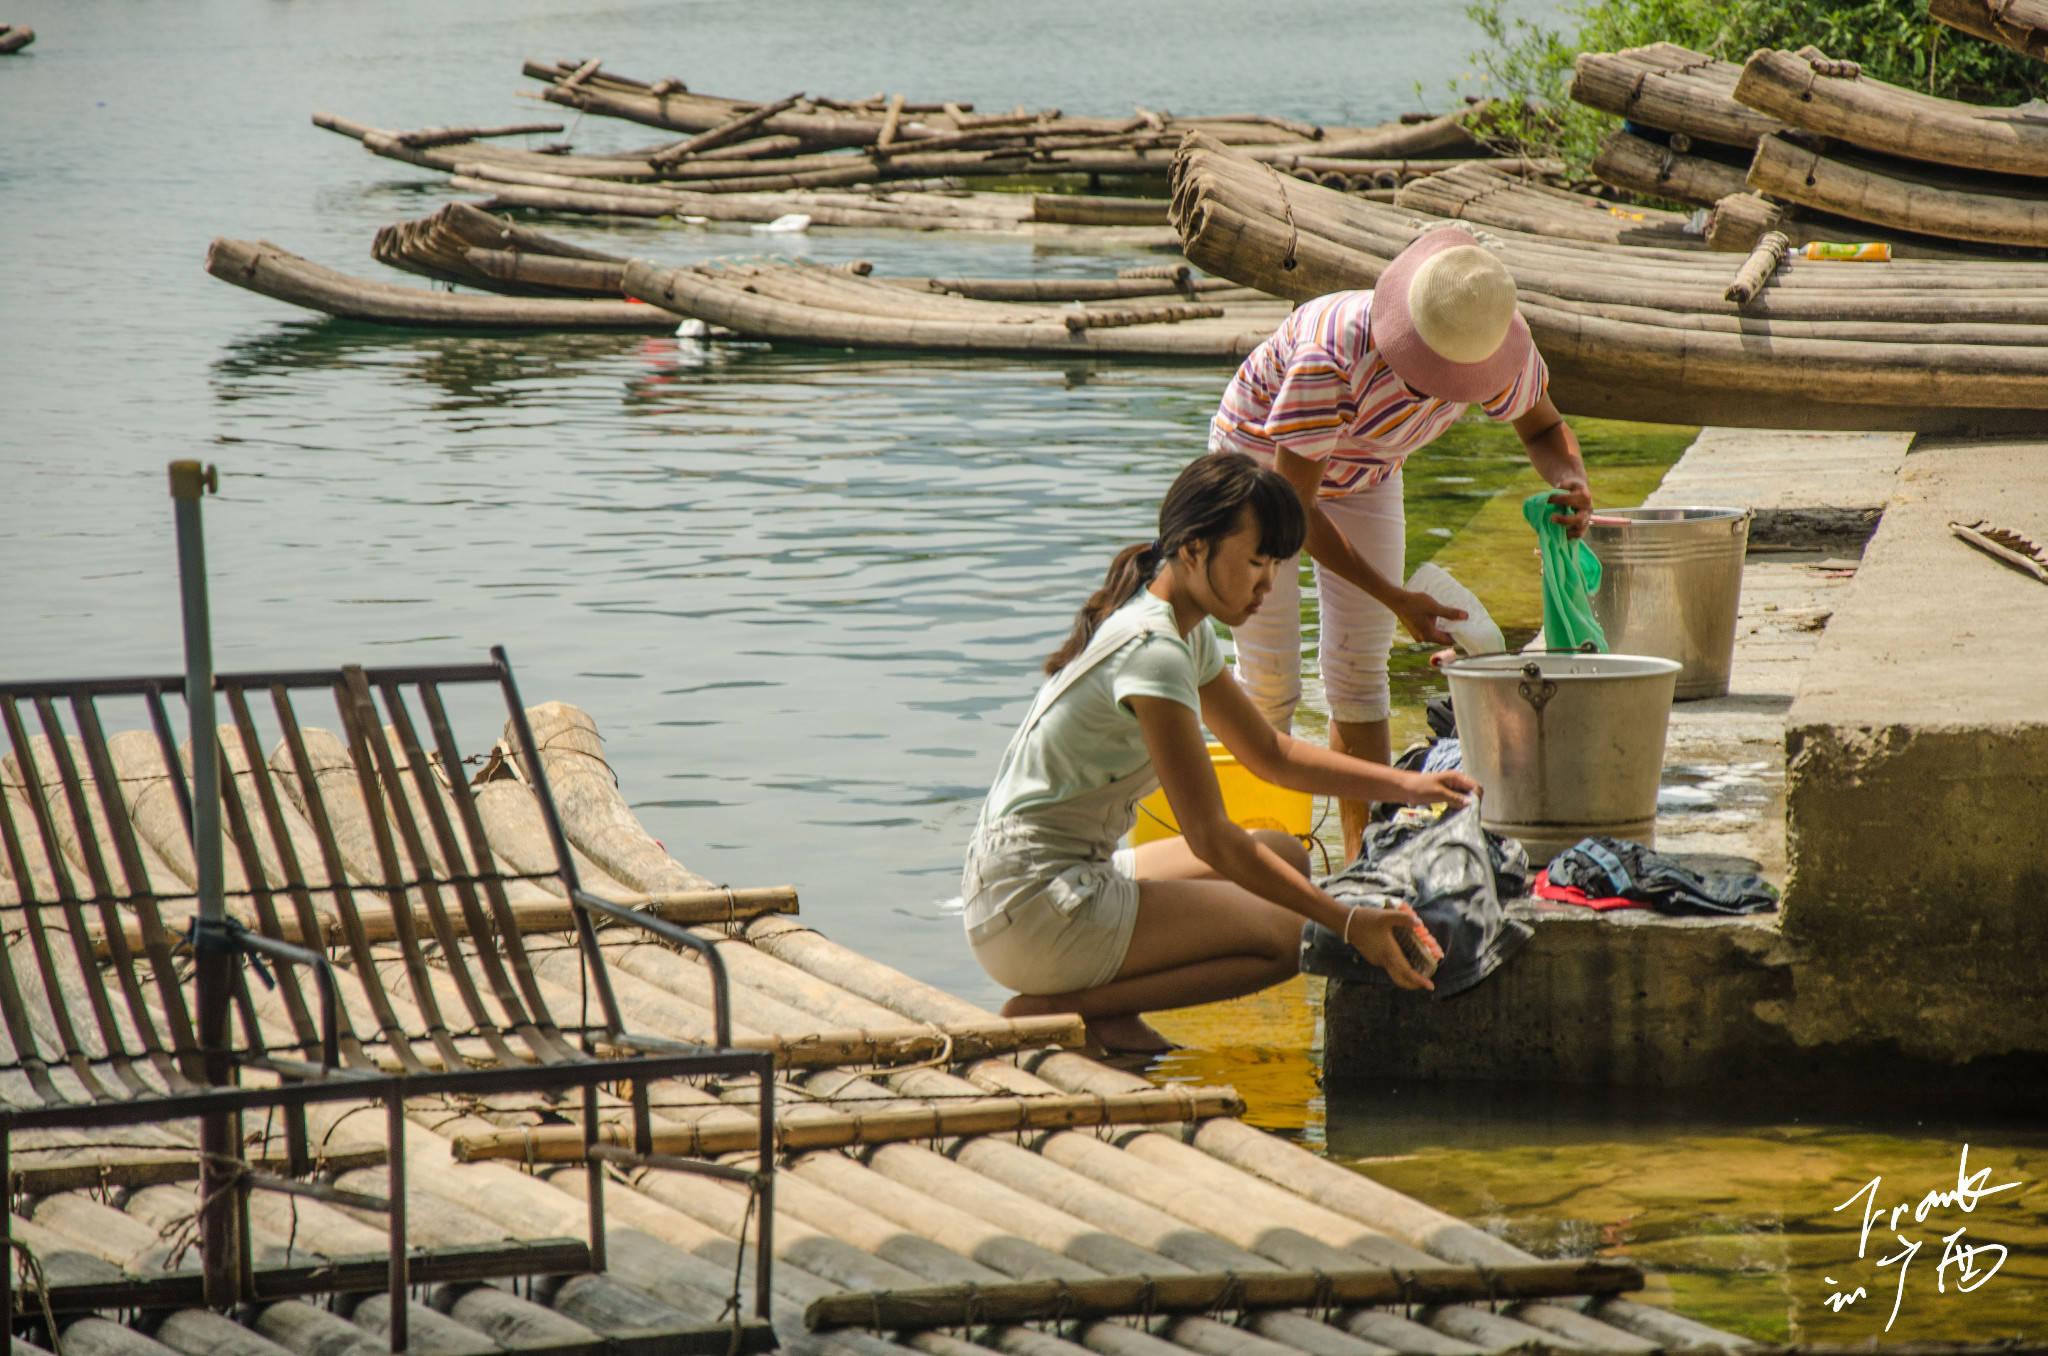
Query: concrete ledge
x=1917, y=776
x=1628, y=997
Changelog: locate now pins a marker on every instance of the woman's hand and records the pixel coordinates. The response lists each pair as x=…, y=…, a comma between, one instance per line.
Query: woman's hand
x=1577, y=502
x=1372, y=931
x=1419, y=613
x=1430, y=788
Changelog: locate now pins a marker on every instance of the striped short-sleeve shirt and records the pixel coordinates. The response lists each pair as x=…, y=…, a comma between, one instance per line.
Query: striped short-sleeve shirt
x=1319, y=389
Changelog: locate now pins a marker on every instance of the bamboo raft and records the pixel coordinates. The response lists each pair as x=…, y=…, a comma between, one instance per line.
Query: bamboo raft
x=14, y=37
x=797, y=302
x=885, y=161
x=1649, y=333
x=275, y=272
x=547, y=283
x=890, y=137
x=1898, y=137
x=1837, y=151
x=1487, y=195
x=953, y=1200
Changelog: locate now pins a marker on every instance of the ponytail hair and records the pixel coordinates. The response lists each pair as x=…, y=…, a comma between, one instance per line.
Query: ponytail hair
x=1206, y=503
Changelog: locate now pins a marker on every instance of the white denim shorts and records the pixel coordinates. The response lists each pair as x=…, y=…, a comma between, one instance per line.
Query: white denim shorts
x=1052, y=924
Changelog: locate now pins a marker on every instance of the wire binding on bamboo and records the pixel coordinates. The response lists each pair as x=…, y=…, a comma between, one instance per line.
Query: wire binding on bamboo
x=1212, y=1292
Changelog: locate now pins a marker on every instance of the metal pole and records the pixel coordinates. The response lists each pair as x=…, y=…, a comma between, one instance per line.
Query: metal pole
x=764, y=1168
x=213, y=968
x=394, y=1160
x=188, y=482
x=594, y=1192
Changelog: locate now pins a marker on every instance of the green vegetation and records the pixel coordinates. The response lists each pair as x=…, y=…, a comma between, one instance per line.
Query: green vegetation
x=1529, y=64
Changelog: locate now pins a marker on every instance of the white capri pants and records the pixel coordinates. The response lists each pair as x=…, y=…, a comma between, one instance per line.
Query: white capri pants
x=1356, y=630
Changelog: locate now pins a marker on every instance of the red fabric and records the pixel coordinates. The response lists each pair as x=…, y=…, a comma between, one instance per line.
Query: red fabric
x=1567, y=894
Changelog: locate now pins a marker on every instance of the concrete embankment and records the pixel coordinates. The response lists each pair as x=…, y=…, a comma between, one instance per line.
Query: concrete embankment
x=1881, y=717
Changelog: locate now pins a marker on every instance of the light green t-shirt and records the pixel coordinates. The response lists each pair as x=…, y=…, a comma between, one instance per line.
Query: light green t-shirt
x=1089, y=738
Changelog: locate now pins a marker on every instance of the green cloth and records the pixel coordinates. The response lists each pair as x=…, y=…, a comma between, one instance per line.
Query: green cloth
x=1571, y=574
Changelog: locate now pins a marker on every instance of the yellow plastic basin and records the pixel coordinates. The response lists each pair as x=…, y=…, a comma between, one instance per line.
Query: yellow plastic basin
x=1250, y=803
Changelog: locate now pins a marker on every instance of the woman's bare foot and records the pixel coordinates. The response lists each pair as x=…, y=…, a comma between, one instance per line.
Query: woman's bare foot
x=1127, y=1035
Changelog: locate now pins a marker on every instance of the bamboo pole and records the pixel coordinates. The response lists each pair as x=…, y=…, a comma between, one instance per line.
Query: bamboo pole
x=1355, y=1196
x=1446, y=136
x=1677, y=91
x=95, y=1169
x=1104, y=1207
x=1786, y=170
x=515, y=1324
x=1867, y=112
x=447, y=136
x=920, y=1169
x=533, y=917
x=594, y=814
x=307, y=1330
x=1224, y=1216
x=95, y=1228
x=1757, y=269
x=1269, y=1203
x=1082, y=211
x=725, y=1131
x=890, y=117
x=749, y=313
x=943, y=1223
x=2021, y=25
x=1630, y=163
x=723, y=134
x=1740, y=220
x=814, y=953
x=1205, y=1292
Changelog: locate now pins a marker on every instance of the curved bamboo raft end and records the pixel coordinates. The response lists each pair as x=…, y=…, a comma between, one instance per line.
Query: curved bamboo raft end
x=281, y=275
x=2019, y=24
x=804, y=303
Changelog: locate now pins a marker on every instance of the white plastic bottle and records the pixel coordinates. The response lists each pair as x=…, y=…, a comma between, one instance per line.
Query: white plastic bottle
x=1477, y=634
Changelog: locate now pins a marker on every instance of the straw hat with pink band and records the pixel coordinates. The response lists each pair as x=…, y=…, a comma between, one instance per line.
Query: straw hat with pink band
x=1444, y=318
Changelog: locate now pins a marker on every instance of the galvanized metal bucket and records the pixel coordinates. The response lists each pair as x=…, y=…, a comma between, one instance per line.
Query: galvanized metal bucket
x=1670, y=584
x=1564, y=746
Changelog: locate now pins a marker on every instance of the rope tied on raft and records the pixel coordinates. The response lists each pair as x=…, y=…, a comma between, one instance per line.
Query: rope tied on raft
x=1229, y=1299
x=33, y=1273
x=1324, y=1303
x=1287, y=261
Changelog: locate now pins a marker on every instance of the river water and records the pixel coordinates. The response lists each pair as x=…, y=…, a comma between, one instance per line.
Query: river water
x=802, y=592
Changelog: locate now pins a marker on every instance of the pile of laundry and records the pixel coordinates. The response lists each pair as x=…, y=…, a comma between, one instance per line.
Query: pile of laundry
x=1457, y=877
x=1610, y=873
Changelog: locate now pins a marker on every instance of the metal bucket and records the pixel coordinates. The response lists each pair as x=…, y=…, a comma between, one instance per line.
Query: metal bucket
x=1670, y=584
x=1564, y=746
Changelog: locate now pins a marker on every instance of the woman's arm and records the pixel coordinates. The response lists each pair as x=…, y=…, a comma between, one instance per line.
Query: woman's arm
x=1301, y=766
x=1173, y=737
x=1327, y=547
x=1554, y=452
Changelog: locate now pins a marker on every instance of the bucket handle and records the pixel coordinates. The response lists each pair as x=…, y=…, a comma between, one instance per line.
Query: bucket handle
x=1534, y=688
